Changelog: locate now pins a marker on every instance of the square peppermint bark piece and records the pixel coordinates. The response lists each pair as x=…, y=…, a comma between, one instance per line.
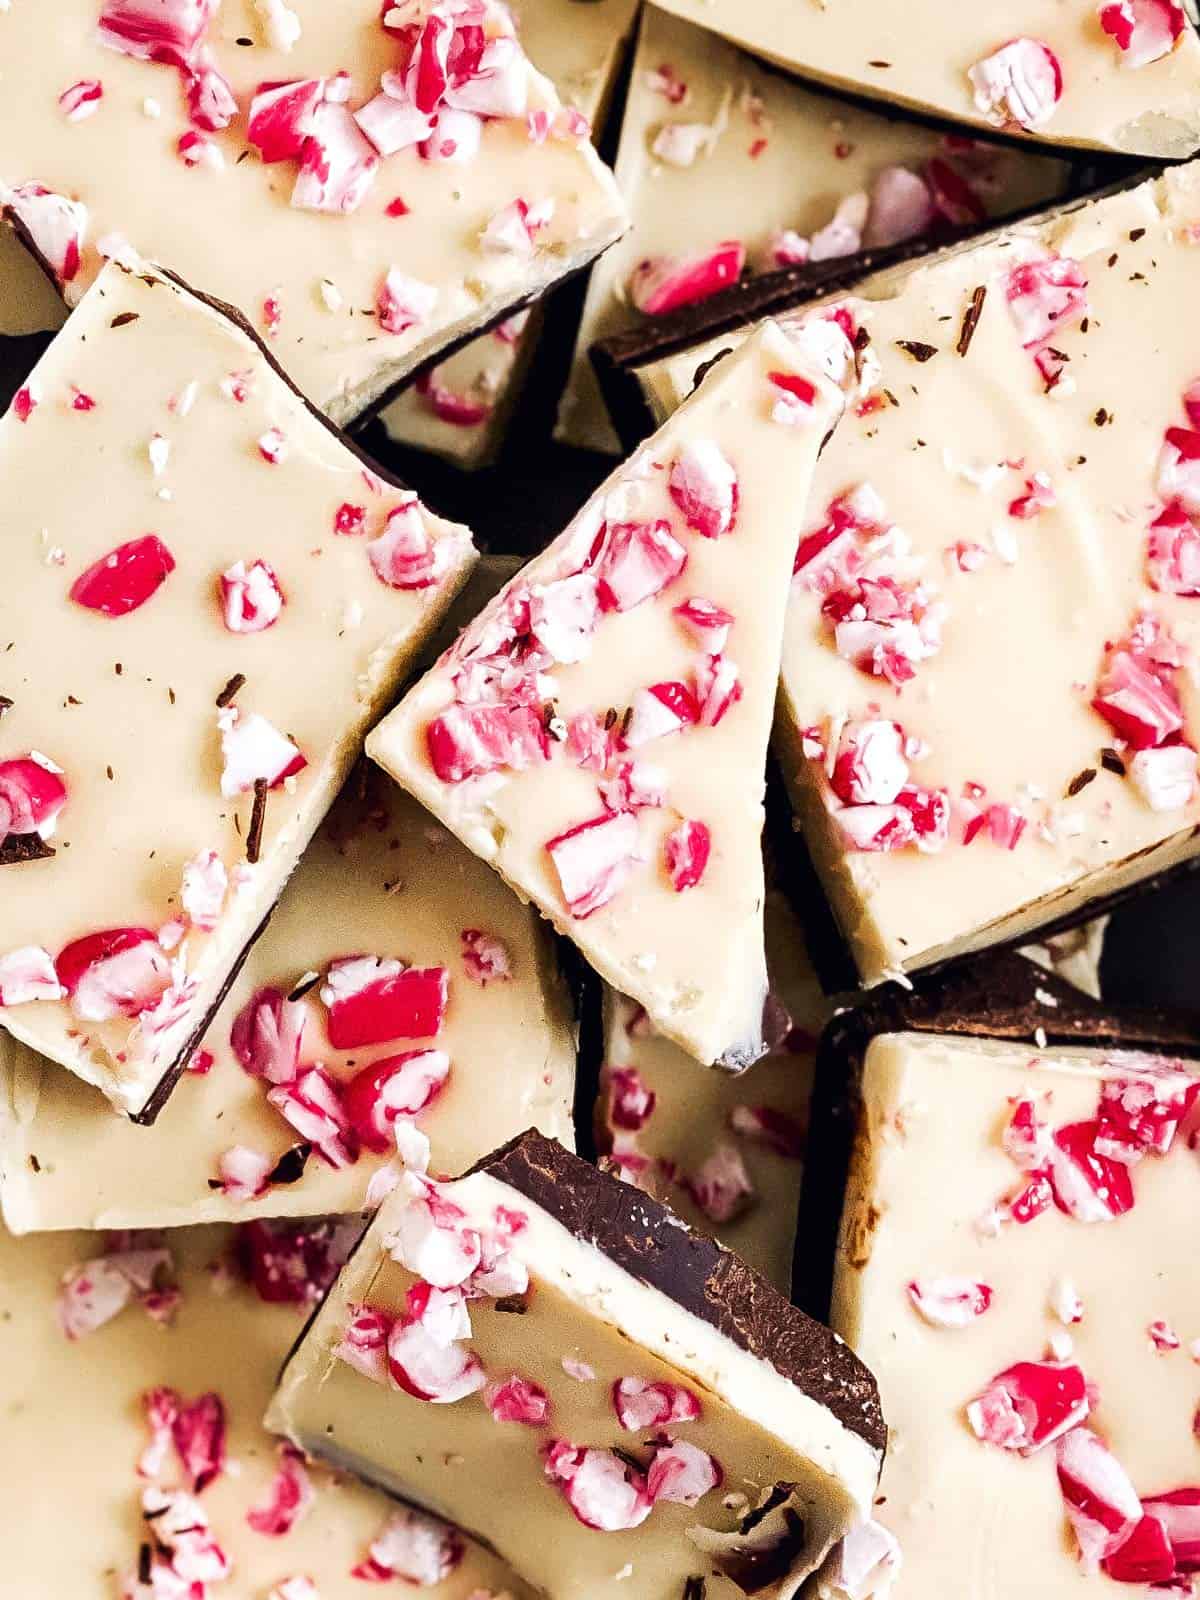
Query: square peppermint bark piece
x=1119, y=76
x=1011, y=1263
x=1004, y=474
x=367, y=184
x=461, y=409
x=232, y=597
x=729, y=168
x=133, y=1376
x=547, y=1354
x=598, y=733
x=726, y=1153
x=438, y=986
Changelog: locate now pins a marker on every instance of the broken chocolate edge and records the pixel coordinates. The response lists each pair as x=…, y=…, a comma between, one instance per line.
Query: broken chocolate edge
x=998, y=995
x=646, y=1239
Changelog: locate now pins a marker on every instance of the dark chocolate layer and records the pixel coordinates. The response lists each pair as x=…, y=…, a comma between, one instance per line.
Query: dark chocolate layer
x=999, y=995
x=646, y=1239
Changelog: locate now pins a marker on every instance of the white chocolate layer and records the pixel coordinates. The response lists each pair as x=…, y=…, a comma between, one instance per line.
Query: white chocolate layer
x=73, y=1422
x=919, y=55
x=702, y=987
x=769, y=157
x=464, y=409
x=934, y=442
x=227, y=226
x=973, y=1519
x=581, y=1308
x=380, y=877
x=126, y=704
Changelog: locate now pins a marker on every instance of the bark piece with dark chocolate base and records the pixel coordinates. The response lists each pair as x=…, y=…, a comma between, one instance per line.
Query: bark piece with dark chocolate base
x=599, y=732
x=235, y=549
x=659, y=1417
x=934, y=769
x=1011, y=1163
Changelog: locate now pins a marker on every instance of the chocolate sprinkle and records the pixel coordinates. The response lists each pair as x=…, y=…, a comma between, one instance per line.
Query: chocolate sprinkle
x=918, y=351
x=257, y=818
x=21, y=847
x=124, y=318
x=235, y=684
x=1080, y=781
x=290, y=1166
x=5, y=704
x=515, y=1304
x=1111, y=762
x=971, y=318
x=306, y=987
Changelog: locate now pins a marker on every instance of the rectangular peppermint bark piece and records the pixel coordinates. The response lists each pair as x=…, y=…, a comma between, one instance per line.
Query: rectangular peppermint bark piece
x=201, y=617
x=1010, y=471
x=462, y=408
x=547, y=1354
x=367, y=184
x=598, y=733
x=133, y=1376
x=728, y=168
x=439, y=987
x=726, y=1153
x=1012, y=1264
x=1120, y=76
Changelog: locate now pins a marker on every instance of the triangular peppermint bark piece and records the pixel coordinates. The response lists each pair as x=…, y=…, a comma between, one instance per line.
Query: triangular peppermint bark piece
x=1110, y=74
x=1011, y=1262
x=615, y=1404
x=208, y=598
x=397, y=981
x=133, y=1375
x=599, y=732
x=366, y=183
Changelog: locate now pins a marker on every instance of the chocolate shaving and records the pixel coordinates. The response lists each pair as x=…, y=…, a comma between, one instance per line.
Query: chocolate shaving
x=971, y=318
x=918, y=351
x=257, y=818
x=20, y=847
x=1080, y=781
x=1135, y=234
x=1111, y=762
x=515, y=1304
x=290, y=1166
x=306, y=987
x=5, y=704
x=754, y=1570
x=124, y=318
x=144, y=1564
x=231, y=689
x=694, y=1589
x=778, y=1494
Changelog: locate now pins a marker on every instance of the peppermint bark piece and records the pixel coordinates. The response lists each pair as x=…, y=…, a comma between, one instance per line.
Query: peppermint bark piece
x=596, y=1368
x=233, y=597
x=1011, y=1263
x=598, y=733
x=387, y=920
x=367, y=185
x=1122, y=76
x=461, y=409
x=726, y=1153
x=1001, y=455
x=143, y=1414
x=728, y=168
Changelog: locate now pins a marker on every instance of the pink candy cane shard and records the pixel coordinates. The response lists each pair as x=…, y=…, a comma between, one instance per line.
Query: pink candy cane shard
x=624, y=584
x=1019, y=85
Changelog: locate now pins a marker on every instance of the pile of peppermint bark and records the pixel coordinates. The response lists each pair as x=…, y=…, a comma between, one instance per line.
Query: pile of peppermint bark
x=599, y=603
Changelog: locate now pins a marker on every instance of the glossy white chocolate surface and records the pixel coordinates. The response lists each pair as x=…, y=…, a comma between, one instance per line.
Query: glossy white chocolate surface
x=126, y=704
